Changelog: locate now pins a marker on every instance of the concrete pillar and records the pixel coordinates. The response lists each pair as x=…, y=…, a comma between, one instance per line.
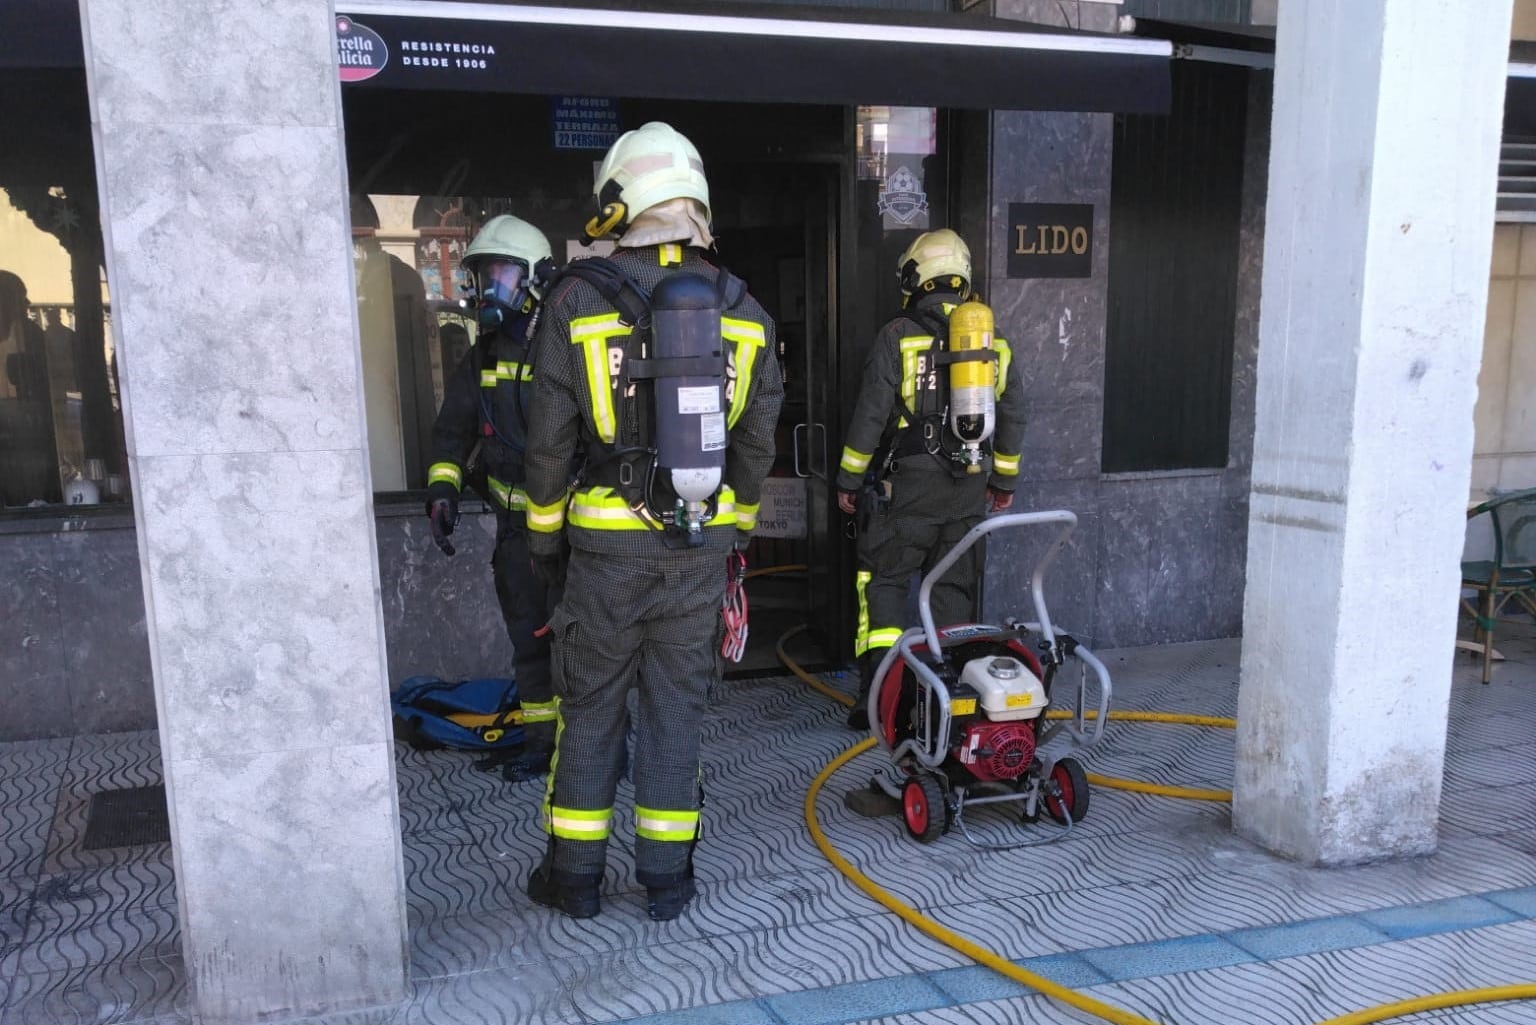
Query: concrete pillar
x=219, y=152
x=1379, y=229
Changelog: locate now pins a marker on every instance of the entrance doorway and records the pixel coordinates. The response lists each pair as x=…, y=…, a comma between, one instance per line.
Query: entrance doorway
x=784, y=243
x=430, y=167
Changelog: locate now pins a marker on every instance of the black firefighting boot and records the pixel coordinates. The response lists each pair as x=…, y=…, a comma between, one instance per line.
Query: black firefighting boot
x=664, y=903
x=858, y=715
x=666, y=898
x=569, y=893
x=532, y=761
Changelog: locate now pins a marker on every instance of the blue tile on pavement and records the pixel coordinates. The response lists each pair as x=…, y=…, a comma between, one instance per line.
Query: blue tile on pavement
x=1072, y=970
x=1313, y=937
x=976, y=983
x=1436, y=916
x=1166, y=957
x=734, y=1012
x=855, y=1001
x=1521, y=901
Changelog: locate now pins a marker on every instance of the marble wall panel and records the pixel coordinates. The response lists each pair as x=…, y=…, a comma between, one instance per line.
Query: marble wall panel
x=296, y=61
x=242, y=831
x=1250, y=271
x=1056, y=325
x=1161, y=553
x=1062, y=441
x=33, y=701
x=220, y=376
x=262, y=588
x=101, y=616
x=1069, y=583
x=440, y=614
x=219, y=142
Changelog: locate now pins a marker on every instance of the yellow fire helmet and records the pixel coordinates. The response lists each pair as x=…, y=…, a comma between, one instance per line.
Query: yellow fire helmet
x=505, y=237
x=646, y=166
x=935, y=259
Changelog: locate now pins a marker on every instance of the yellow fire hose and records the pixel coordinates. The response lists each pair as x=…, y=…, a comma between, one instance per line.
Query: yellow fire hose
x=1005, y=967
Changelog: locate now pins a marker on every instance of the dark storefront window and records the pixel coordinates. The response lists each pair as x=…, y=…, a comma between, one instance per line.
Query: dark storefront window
x=61, y=437
x=1173, y=252
x=407, y=250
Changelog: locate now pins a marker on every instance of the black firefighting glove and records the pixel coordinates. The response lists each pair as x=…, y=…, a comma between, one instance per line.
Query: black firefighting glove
x=550, y=568
x=443, y=511
x=743, y=541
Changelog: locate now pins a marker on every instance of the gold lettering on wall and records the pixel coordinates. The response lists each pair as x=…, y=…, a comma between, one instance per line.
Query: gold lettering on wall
x=1050, y=239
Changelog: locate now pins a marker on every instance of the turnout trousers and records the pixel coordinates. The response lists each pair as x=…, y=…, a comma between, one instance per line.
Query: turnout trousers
x=526, y=605
x=928, y=511
x=649, y=623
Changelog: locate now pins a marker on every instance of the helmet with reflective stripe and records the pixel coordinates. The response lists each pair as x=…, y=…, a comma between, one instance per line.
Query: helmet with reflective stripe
x=505, y=237
x=935, y=260
x=646, y=166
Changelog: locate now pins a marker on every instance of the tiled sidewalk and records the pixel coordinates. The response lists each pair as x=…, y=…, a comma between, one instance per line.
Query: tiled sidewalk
x=1152, y=904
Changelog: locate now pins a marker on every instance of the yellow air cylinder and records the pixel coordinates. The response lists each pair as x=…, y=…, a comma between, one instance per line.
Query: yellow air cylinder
x=972, y=383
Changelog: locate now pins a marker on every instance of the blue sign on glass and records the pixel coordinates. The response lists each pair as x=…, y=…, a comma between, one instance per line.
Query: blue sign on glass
x=585, y=122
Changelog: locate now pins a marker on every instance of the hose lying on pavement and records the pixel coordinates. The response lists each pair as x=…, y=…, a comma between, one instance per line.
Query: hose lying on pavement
x=1005, y=967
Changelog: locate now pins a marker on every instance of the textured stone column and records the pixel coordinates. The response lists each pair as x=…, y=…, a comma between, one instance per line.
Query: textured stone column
x=1379, y=227
x=218, y=141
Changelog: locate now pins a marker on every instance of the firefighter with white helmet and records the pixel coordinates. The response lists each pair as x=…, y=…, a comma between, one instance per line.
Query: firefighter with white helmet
x=933, y=445
x=658, y=372
x=486, y=403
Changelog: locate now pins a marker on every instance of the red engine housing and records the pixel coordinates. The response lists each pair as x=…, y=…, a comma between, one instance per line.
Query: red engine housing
x=997, y=751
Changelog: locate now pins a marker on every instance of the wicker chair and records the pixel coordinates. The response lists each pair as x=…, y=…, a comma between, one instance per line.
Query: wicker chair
x=1510, y=574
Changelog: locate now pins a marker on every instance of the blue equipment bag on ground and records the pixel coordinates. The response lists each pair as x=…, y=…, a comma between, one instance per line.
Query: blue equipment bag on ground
x=470, y=715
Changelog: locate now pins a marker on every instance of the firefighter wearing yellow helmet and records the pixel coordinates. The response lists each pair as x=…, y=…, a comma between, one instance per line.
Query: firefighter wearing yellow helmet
x=486, y=403
x=932, y=447
x=657, y=373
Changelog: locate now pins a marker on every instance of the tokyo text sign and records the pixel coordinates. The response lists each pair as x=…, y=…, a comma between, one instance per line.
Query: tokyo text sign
x=1050, y=240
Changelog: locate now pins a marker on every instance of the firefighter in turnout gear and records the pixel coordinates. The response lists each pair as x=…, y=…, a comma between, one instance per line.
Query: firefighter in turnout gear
x=660, y=374
x=918, y=468
x=486, y=404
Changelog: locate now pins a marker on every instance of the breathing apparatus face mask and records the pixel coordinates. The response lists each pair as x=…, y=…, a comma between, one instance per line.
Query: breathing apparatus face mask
x=502, y=292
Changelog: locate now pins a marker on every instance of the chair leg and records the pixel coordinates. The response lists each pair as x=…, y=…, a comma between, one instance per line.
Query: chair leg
x=1486, y=623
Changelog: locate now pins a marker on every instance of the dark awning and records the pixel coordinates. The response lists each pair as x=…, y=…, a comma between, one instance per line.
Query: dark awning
x=750, y=53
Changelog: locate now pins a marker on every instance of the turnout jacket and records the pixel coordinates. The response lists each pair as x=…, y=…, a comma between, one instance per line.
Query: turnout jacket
x=487, y=401
x=579, y=360
x=899, y=381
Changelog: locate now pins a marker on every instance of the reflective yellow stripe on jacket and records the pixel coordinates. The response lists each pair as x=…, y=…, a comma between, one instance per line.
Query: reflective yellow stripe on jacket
x=592, y=334
x=1004, y=357
x=506, y=370
x=746, y=515
x=445, y=473
x=854, y=461
x=749, y=338
x=911, y=349
x=507, y=496
x=546, y=519
x=1005, y=465
x=600, y=508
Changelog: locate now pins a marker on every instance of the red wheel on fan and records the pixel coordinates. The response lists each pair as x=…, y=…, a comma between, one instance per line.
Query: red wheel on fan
x=924, y=808
x=1072, y=792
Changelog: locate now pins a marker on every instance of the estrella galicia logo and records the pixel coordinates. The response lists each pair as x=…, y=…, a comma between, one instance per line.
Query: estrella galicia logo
x=903, y=197
x=360, y=51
